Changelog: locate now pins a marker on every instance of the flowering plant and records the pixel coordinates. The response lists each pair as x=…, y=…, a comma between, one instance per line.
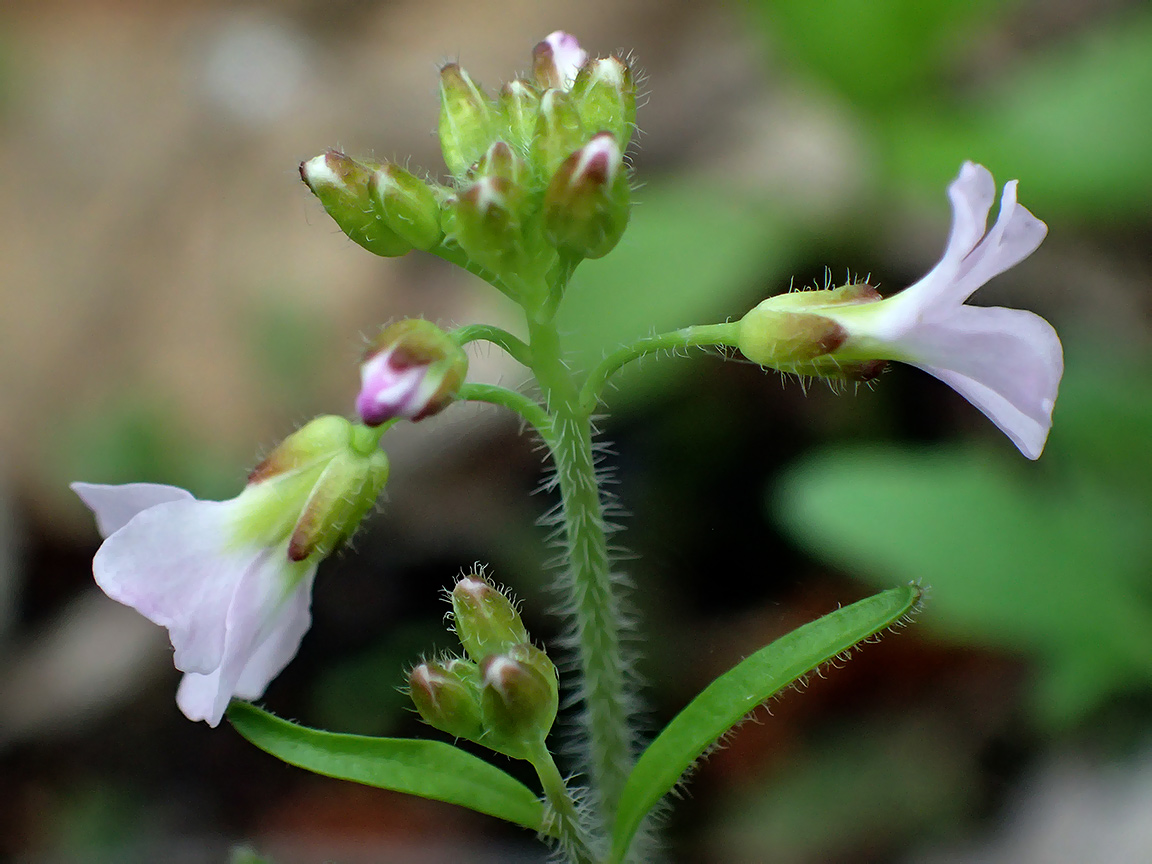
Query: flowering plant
x=538, y=183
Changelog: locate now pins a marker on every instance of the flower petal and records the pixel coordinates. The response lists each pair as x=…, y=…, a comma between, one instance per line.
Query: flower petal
x=1006, y=362
x=1015, y=236
x=171, y=564
x=260, y=609
x=567, y=55
x=114, y=506
x=972, y=194
x=281, y=643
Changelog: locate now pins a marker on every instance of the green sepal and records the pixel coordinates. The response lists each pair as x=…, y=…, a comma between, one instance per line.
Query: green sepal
x=341, y=183
x=605, y=95
x=430, y=769
x=467, y=119
x=559, y=133
x=407, y=205
x=739, y=692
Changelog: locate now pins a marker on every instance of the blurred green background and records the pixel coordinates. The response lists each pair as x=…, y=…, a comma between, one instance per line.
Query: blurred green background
x=174, y=303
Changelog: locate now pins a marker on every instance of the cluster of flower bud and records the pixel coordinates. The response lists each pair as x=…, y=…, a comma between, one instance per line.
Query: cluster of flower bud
x=537, y=173
x=504, y=693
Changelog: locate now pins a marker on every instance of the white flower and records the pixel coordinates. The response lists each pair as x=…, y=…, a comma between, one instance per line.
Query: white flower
x=232, y=580
x=1006, y=362
x=235, y=609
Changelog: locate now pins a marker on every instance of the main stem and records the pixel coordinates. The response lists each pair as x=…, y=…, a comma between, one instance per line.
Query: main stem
x=594, y=598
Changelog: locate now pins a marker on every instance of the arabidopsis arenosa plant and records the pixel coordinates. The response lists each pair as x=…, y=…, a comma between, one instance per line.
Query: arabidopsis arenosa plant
x=1006, y=362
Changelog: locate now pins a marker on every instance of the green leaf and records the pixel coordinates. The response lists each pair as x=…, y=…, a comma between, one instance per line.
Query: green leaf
x=1052, y=564
x=430, y=769
x=739, y=691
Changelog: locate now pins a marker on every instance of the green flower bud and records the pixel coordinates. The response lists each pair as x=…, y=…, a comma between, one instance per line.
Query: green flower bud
x=342, y=185
x=519, y=105
x=314, y=488
x=787, y=332
x=586, y=207
x=406, y=205
x=486, y=620
x=518, y=700
x=605, y=96
x=502, y=162
x=447, y=695
x=485, y=222
x=467, y=119
x=413, y=369
x=559, y=132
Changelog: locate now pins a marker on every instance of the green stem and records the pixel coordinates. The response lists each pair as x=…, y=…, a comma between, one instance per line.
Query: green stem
x=688, y=337
x=497, y=336
x=531, y=411
x=562, y=820
x=593, y=596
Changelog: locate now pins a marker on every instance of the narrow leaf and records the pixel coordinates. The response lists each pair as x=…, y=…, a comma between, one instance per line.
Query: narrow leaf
x=739, y=691
x=430, y=769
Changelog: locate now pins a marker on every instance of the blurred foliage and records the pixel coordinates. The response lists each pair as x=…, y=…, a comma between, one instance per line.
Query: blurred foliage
x=862, y=784
x=1053, y=560
x=691, y=255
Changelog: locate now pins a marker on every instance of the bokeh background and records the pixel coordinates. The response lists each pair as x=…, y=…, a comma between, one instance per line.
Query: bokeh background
x=173, y=303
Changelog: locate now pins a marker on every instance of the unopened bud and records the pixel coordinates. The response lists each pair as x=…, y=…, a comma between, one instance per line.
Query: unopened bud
x=413, y=369
x=447, y=695
x=467, y=119
x=605, y=96
x=341, y=184
x=799, y=332
x=486, y=620
x=406, y=205
x=502, y=162
x=586, y=207
x=485, y=221
x=519, y=697
x=519, y=105
x=559, y=132
x=557, y=59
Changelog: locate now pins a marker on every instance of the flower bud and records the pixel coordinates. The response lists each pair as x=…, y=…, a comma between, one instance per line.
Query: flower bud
x=447, y=695
x=413, y=369
x=406, y=205
x=605, y=96
x=313, y=489
x=486, y=620
x=557, y=59
x=342, y=185
x=518, y=700
x=789, y=333
x=586, y=207
x=485, y=222
x=519, y=105
x=502, y=162
x=467, y=119
x=559, y=132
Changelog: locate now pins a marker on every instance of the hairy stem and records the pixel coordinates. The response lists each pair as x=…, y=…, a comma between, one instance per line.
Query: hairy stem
x=562, y=820
x=703, y=335
x=594, y=599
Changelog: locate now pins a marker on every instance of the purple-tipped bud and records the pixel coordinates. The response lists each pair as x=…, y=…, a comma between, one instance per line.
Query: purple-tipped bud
x=447, y=695
x=586, y=206
x=486, y=619
x=342, y=185
x=518, y=699
x=413, y=369
x=557, y=59
x=485, y=222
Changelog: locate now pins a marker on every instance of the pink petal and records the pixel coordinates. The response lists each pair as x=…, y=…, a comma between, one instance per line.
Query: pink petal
x=1015, y=236
x=567, y=55
x=172, y=564
x=114, y=506
x=260, y=610
x=1006, y=362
